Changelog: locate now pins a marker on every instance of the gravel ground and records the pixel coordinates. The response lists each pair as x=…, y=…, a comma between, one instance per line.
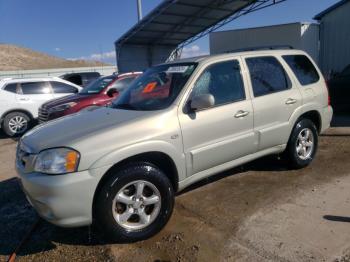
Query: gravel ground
x=257, y=212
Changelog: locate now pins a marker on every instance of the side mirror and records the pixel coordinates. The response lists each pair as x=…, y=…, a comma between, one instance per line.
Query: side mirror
x=202, y=101
x=111, y=92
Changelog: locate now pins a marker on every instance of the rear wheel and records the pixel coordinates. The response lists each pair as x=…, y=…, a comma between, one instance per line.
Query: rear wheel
x=16, y=123
x=135, y=203
x=302, y=145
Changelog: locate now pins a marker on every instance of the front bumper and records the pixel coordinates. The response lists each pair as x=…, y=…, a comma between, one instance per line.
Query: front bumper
x=63, y=200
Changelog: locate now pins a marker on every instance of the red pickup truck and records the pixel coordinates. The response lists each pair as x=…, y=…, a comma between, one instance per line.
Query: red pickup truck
x=99, y=93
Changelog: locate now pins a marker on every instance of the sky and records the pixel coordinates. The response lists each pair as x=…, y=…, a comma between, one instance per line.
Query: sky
x=87, y=29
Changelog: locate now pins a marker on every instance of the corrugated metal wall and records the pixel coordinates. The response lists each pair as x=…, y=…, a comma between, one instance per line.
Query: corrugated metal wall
x=298, y=35
x=335, y=39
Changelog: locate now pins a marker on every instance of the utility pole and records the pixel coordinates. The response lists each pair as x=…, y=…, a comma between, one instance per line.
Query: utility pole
x=139, y=9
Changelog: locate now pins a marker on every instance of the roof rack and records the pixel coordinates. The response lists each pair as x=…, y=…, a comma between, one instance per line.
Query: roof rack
x=257, y=48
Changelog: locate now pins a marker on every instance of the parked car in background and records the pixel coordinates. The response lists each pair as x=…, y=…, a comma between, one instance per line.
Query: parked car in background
x=339, y=91
x=178, y=123
x=81, y=79
x=20, y=100
x=99, y=93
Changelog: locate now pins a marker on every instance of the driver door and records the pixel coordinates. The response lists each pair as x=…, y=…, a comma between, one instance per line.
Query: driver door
x=224, y=132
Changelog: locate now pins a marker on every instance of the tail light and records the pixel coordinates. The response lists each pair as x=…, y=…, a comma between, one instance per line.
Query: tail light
x=329, y=97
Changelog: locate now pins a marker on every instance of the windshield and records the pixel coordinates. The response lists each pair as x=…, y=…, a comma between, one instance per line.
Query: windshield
x=157, y=88
x=97, y=86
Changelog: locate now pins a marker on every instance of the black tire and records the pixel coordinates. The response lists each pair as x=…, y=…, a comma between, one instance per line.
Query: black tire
x=6, y=123
x=104, y=202
x=296, y=161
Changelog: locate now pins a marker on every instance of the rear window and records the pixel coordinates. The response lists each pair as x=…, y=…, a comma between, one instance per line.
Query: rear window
x=122, y=84
x=303, y=69
x=35, y=88
x=267, y=75
x=11, y=88
x=98, y=85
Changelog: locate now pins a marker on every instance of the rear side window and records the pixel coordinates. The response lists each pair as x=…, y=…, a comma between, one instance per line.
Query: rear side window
x=267, y=75
x=11, y=88
x=122, y=84
x=35, y=88
x=62, y=88
x=223, y=80
x=303, y=69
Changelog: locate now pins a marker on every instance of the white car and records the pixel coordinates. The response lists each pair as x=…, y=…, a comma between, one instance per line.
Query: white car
x=20, y=100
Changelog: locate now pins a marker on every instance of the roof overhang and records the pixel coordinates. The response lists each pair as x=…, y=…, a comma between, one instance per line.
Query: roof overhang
x=330, y=9
x=175, y=23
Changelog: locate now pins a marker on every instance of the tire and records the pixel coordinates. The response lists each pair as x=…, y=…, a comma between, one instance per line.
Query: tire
x=10, y=120
x=302, y=144
x=116, y=224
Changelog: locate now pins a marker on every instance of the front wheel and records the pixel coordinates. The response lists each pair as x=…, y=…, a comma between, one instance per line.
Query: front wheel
x=302, y=145
x=135, y=203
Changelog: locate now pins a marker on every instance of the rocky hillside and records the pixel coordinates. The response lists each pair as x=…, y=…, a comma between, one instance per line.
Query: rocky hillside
x=18, y=58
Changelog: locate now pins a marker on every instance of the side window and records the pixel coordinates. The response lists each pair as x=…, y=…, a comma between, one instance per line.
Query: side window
x=11, y=88
x=267, y=75
x=35, y=88
x=222, y=80
x=122, y=84
x=62, y=88
x=303, y=69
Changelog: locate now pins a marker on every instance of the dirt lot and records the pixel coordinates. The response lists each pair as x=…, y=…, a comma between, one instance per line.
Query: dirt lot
x=258, y=212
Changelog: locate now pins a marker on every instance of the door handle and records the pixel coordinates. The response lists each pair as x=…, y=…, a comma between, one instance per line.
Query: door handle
x=241, y=114
x=291, y=101
x=24, y=99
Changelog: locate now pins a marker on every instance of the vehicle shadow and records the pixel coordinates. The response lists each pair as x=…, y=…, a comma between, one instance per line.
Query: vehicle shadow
x=337, y=218
x=4, y=136
x=267, y=163
x=17, y=216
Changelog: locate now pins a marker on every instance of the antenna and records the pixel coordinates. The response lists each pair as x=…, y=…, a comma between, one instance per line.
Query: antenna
x=139, y=9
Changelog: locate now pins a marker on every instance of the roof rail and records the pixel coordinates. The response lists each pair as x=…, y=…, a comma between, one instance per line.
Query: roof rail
x=272, y=47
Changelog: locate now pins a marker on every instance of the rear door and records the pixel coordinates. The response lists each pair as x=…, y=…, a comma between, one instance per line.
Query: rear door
x=32, y=95
x=62, y=89
x=275, y=99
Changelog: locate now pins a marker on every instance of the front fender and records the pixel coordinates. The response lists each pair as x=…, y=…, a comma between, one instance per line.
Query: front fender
x=121, y=154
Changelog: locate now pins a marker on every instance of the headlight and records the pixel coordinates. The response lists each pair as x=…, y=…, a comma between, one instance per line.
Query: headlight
x=62, y=107
x=57, y=161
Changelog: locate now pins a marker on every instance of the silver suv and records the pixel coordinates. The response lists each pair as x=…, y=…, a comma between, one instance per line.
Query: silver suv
x=178, y=123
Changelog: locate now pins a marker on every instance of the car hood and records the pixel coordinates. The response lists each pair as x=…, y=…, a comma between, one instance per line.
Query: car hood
x=67, y=99
x=75, y=129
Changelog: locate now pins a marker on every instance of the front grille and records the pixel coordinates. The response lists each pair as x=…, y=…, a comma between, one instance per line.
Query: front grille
x=43, y=115
x=24, y=158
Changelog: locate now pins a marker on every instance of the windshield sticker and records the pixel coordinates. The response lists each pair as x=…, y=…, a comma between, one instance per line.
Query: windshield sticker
x=149, y=87
x=177, y=69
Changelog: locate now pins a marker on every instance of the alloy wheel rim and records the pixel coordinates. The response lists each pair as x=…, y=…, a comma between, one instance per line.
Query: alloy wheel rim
x=136, y=205
x=305, y=144
x=18, y=124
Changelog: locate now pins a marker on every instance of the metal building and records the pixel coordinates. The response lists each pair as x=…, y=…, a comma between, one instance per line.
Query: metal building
x=335, y=37
x=175, y=23
x=304, y=36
